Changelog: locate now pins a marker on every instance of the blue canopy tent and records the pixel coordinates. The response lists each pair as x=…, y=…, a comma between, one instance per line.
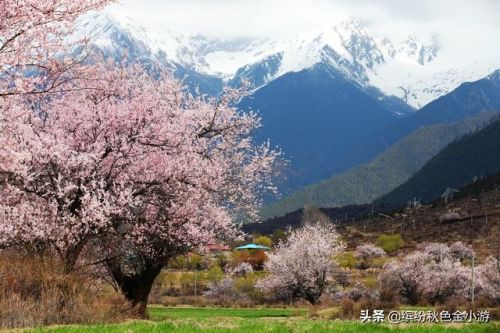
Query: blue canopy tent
x=253, y=246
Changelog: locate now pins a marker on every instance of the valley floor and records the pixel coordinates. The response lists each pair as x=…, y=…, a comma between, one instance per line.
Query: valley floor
x=275, y=320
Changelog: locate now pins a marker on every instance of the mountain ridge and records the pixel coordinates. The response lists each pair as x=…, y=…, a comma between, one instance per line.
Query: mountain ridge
x=402, y=68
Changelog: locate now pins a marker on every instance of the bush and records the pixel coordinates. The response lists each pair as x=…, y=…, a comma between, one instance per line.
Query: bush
x=256, y=258
x=36, y=291
x=366, y=253
x=435, y=276
x=215, y=274
x=348, y=308
x=346, y=260
x=246, y=286
x=263, y=240
x=390, y=243
x=341, y=277
x=223, y=292
x=356, y=292
x=242, y=269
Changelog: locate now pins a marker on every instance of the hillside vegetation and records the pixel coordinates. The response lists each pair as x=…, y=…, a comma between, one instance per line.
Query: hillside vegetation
x=475, y=155
x=365, y=183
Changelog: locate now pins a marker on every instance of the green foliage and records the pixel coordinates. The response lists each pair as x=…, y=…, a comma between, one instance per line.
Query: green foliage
x=215, y=274
x=190, y=261
x=278, y=236
x=346, y=260
x=365, y=183
x=195, y=261
x=179, y=262
x=221, y=260
x=263, y=240
x=477, y=154
x=390, y=243
x=164, y=313
x=246, y=285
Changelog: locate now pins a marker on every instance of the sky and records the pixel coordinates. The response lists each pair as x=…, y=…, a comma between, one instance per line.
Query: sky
x=461, y=26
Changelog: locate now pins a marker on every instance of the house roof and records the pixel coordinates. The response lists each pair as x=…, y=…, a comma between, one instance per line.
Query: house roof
x=253, y=246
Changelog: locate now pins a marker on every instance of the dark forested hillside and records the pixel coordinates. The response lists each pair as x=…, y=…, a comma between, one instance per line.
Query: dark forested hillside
x=365, y=183
x=466, y=101
x=474, y=156
x=315, y=116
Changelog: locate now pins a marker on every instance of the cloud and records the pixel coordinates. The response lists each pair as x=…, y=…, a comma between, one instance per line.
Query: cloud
x=462, y=26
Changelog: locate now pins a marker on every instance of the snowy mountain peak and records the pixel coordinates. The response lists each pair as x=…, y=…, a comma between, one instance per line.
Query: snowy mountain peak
x=410, y=69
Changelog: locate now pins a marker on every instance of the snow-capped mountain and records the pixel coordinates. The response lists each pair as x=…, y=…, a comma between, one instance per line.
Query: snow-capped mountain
x=410, y=69
x=324, y=96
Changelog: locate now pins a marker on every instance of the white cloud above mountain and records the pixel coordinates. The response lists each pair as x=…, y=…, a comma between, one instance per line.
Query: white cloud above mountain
x=466, y=29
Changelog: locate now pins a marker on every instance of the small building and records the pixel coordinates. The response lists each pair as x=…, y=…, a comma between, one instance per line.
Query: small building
x=448, y=194
x=253, y=246
x=214, y=248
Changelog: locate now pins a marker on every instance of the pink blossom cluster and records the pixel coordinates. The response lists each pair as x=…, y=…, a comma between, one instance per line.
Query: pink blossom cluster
x=135, y=156
x=368, y=251
x=34, y=40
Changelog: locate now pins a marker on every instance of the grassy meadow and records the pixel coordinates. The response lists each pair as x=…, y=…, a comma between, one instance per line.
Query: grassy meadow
x=272, y=320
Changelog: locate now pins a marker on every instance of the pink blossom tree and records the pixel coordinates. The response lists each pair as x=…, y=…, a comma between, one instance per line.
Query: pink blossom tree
x=405, y=276
x=461, y=251
x=436, y=273
x=446, y=279
x=138, y=167
x=489, y=279
x=300, y=266
x=35, y=51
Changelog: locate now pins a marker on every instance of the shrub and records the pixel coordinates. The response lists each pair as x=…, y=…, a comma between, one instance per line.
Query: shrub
x=242, y=269
x=263, y=240
x=278, y=236
x=346, y=260
x=432, y=275
x=215, y=274
x=36, y=291
x=390, y=243
x=366, y=253
x=222, y=260
x=341, y=277
x=348, y=308
x=356, y=292
x=246, y=286
x=223, y=292
x=489, y=279
x=256, y=258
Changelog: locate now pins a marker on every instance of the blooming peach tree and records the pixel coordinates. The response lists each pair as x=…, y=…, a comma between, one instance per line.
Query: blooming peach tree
x=489, y=279
x=35, y=51
x=438, y=272
x=136, y=166
x=301, y=266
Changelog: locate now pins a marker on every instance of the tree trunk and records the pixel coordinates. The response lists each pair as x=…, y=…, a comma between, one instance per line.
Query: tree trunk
x=135, y=280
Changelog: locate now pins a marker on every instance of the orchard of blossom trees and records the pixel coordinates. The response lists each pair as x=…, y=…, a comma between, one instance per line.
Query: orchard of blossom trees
x=133, y=167
x=437, y=273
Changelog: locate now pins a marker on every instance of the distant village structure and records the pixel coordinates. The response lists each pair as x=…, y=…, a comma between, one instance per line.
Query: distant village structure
x=448, y=194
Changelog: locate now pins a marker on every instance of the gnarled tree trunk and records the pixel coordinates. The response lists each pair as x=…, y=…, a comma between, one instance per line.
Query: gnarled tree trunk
x=134, y=276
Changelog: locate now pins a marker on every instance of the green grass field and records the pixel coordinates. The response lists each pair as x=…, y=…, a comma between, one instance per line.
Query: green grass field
x=222, y=320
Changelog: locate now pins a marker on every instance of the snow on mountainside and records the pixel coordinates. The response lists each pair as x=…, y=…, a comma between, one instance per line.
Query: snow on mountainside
x=410, y=69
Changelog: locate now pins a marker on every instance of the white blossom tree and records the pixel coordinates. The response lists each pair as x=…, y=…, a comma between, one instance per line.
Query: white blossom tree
x=301, y=266
x=435, y=272
x=366, y=252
